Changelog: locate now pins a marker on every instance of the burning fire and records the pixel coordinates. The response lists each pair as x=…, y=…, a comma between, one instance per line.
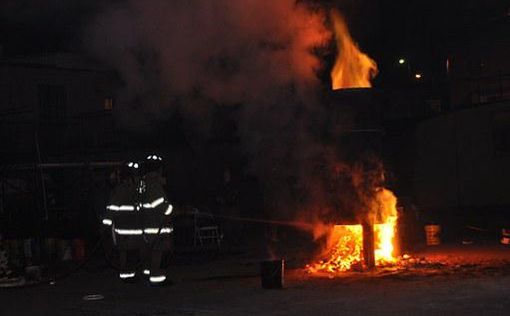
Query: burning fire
x=353, y=68
x=344, y=247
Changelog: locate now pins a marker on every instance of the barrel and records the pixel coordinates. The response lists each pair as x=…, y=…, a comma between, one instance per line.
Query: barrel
x=505, y=236
x=271, y=273
x=433, y=234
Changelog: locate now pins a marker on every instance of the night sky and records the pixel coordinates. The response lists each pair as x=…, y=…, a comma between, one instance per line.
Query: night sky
x=422, y=31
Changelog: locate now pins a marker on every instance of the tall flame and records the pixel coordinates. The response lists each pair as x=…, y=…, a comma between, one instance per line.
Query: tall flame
x=385, y=214
x=353, y=68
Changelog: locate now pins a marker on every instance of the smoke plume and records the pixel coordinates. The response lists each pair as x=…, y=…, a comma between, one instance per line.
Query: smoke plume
x=260, y=54
x=195, y=54
x=174, y=53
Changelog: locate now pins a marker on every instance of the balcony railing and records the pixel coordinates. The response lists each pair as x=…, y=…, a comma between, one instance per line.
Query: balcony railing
x=481, y=90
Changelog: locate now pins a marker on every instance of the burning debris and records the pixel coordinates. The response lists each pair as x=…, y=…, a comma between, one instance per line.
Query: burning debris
x=345, y=249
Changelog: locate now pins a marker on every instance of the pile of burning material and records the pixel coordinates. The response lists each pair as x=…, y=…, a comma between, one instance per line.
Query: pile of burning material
x=408, y=262
x=345, y=245
x=361, y=247
x=414, y=266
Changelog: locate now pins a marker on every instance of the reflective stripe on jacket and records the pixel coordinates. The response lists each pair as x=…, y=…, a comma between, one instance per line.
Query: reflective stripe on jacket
x=140, y=208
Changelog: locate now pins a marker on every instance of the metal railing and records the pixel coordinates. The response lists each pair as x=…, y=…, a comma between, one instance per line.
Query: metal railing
x=483, y=89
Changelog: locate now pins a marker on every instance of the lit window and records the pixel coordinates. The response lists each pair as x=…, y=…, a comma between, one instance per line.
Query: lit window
x=108, y=104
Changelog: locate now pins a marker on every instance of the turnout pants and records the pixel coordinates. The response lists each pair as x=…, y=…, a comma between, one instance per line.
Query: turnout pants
x=144, y=252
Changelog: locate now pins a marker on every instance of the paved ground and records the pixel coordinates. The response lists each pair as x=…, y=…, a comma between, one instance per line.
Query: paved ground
x=454, y=281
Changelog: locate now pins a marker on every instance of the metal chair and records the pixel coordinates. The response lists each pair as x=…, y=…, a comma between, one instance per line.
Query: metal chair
x=206, y=230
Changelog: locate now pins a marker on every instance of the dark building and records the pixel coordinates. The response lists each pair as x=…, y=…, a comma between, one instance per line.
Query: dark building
x=61, y=104
x=56, y=117
x=478, y=64
x=462, y=157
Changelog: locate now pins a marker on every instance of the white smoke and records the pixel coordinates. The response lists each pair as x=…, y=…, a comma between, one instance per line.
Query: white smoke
x=197, y=54
x=224, y=51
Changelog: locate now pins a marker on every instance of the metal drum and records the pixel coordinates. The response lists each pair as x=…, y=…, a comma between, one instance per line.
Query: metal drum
x=433, y=234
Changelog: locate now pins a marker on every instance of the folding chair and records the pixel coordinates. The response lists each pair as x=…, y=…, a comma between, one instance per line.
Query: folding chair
x=206, y=230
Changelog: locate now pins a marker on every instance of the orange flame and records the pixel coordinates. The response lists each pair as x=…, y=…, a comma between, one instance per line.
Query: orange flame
x=353, y=68
x=345, y=242
x=385, y=210
x=344, y=247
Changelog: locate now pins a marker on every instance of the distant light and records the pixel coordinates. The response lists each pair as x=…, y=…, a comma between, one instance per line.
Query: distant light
x=417, y=76
x=401, y=61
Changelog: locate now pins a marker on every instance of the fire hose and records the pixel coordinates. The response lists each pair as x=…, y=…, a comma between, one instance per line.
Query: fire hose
x=303, y=225
x=105, y=233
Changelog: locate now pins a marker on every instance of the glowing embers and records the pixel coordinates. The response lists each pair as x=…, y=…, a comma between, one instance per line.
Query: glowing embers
x=344, y=248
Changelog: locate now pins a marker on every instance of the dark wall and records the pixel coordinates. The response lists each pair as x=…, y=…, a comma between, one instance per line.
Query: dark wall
x=463, y=159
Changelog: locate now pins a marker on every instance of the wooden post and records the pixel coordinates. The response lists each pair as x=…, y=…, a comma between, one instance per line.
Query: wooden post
x=368, y=246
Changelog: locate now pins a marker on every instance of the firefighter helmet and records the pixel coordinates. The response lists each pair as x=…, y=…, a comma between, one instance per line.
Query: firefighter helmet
x=154, y=158
x=132, y=168
x=153, y=162
x=133, y=165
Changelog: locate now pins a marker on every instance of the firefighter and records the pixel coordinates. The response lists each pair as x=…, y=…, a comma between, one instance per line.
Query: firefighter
x=121, y=214
x=156, y=212
x=139, y=214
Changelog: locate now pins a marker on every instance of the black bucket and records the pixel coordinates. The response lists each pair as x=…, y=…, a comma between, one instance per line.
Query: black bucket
x=271, y=273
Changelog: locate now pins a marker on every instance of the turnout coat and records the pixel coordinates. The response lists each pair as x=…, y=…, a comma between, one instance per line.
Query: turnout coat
x=139, y=210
